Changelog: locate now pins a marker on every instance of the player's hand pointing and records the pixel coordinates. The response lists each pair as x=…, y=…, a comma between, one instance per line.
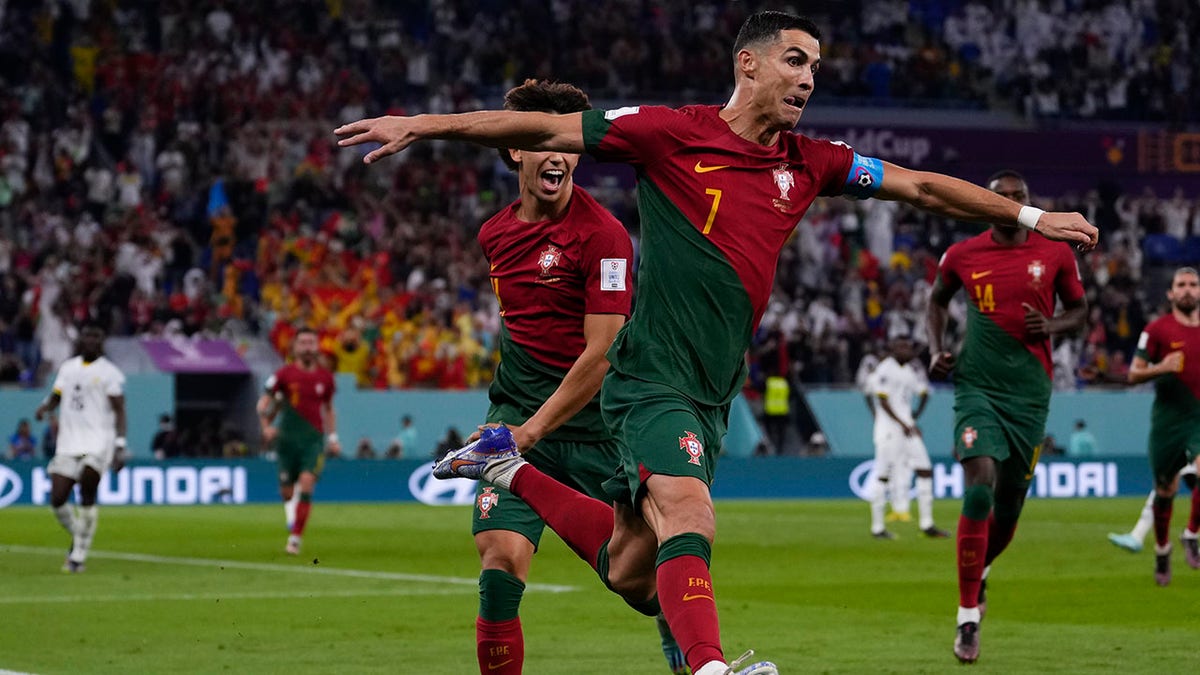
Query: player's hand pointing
x=1069, y=227
x=392, y=133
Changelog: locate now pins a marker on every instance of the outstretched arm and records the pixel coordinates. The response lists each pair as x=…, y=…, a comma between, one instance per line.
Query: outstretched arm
x=954, y=198
x=494, y=128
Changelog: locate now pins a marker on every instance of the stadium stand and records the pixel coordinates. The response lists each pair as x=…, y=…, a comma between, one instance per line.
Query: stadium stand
x=169, y=168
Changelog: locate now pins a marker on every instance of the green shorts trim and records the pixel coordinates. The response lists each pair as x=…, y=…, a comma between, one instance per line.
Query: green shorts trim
x=299, y=452
x=661, y=431
x=581, y=466
x=1172, y=447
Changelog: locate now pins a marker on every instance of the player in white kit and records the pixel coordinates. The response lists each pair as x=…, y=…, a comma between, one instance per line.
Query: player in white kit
x=91, y=437
x=898, y=443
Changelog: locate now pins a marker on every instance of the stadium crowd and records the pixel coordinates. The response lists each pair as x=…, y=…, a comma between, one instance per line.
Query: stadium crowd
x=169, y=168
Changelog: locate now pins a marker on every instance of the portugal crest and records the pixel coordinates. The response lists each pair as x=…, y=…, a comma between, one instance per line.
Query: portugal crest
x=548, y=259
x=784, y=181
x=692, y=446
x=1036, y=270
x=487, y=499
x=968, y=437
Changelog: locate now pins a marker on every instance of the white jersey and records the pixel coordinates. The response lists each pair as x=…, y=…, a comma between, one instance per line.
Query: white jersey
x=86, y=422
x=899, y=384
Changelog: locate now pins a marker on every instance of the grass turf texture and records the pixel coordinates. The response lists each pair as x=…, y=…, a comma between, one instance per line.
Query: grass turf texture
x=801, y=582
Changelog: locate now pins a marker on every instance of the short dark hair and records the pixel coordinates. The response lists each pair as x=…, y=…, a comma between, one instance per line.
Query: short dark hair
x=545, y=96
x=300, y=330
x=1006, y=173
x=764, y=27
x=92, y=323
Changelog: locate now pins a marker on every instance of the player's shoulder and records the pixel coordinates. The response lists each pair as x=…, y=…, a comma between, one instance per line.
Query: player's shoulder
x=592, y=220
x=1163, y=323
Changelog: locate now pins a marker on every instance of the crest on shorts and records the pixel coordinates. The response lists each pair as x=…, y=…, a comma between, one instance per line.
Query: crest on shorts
x=690, y=444
x=487, y=499
x=968, y=437
x=548, y=259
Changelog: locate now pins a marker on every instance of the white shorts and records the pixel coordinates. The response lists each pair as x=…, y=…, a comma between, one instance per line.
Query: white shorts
x=71, y=466
x=896, y=452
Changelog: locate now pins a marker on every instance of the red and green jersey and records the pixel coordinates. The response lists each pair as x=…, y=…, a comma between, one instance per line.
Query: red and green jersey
x=716, y=210
x=547, y=277
x=1177, y=395
x=302, y=393
x=998, y=357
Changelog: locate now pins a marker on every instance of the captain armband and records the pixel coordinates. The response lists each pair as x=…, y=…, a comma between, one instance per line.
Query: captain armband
x=865, y=177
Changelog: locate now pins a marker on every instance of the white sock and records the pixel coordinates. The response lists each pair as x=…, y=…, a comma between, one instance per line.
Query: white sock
x=1145, y=521
x=85, y=530
x=1162, y=550
x=878, y=497
x=501, y=472
x=987, y=570
x=1188, y=534
x=66, y=517
x=713, y=668
x=925, y=502
x=899, y=486
x=289, y=508
x=968, y=615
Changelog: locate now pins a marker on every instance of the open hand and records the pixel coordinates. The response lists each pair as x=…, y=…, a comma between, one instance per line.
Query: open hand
x=393, y=133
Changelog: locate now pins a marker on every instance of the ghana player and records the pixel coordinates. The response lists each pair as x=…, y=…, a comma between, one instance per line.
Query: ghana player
x=300, y=394
x=91, y=438
x=561, y=268
x=1168, y=352
x=1002, y=381
x=720, y=190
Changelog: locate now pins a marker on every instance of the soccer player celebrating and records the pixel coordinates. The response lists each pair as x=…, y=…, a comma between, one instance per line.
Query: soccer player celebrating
x=1002, y=381
x=91, y=437
x=1168, y=352
x=720, y=190
x=300, y=394
x=898, y=443
x=561, y=269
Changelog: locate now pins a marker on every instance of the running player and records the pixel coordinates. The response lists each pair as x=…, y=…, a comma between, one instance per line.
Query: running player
x=300, y=394
x=1002, y=381
x=721, y=189
x=91, y=438
x=899, y=447
x=1168, y=352
x=561, y=268
x=1132, y=540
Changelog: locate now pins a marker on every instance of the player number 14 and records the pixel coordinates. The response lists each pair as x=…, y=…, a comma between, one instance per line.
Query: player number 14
x=985, y=298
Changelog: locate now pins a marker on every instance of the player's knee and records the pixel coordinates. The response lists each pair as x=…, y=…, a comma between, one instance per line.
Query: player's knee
x=977, y=502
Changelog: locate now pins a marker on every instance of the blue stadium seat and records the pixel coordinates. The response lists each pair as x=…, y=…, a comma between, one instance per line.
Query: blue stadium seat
x=1162, y=248
x=1191, y=251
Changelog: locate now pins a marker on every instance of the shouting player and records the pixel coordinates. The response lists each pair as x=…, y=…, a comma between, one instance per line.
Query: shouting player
x=720, y=190
x=1002, y=381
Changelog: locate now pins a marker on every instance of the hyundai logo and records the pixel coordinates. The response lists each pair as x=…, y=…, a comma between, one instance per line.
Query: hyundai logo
x=11, y=486
x=429, y=490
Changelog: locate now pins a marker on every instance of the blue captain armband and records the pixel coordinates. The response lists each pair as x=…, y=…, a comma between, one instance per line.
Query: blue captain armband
x=865, y=177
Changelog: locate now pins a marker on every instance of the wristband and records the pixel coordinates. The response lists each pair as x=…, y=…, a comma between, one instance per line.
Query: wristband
x=120, y=442
x=332, y=438
x=1029, y=216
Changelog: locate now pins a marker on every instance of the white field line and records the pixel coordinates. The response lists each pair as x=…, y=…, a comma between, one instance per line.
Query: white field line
x=261, y=595
x=270, y=567
x=12, y=672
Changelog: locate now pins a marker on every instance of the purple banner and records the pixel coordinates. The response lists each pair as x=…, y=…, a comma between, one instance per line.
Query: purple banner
x=194, y=356
x=1054, y=162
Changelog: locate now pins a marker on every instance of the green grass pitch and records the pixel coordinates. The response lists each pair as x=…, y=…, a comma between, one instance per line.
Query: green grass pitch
x=390, y=589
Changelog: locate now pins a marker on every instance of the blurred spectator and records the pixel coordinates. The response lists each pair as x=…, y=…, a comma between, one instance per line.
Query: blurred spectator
x=1082, y=444
x=22, y=445
x=451, y=441
x=165, y=444
x=365, y=449
x=50, y=437
x=406, y=440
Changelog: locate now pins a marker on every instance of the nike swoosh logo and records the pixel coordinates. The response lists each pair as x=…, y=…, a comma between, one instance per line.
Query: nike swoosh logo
x=1176, y=345
x=980, y=275
x=456, y=464
x=689, y=598
x=493, y=666
x=706, y=169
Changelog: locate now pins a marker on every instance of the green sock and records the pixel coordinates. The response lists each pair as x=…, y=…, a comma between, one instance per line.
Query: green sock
x=499, y=595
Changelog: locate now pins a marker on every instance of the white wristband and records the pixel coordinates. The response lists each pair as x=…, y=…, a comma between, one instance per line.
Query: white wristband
x=1029, y=216
x=120, y=442
x=332, y=438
